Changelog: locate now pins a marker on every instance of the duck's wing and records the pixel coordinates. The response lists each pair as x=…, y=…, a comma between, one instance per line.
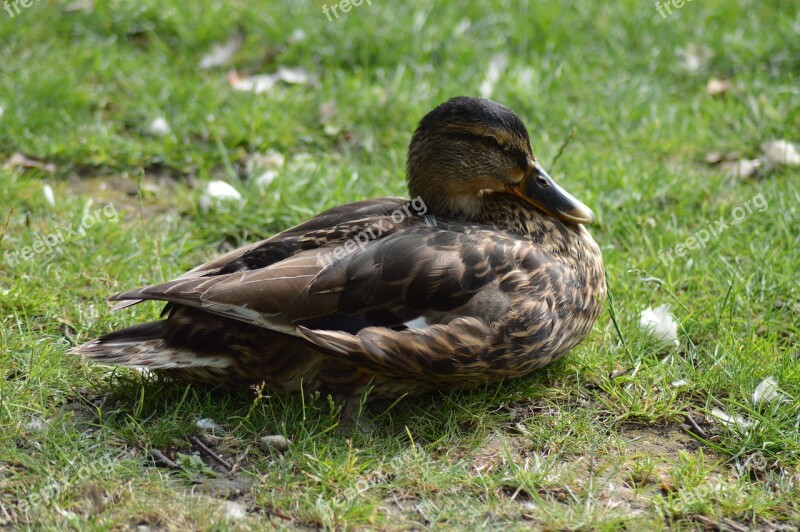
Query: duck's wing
x=329, y=226
x=410, y=274
x=332, y=225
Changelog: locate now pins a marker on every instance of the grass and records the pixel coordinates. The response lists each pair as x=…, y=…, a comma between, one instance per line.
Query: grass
x=595, y=441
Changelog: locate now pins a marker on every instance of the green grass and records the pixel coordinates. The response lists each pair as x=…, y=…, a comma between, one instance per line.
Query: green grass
x=594, y=442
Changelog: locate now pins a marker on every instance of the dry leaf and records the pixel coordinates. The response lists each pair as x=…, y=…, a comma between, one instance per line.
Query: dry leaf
x=221, y=54
x=715, y=157
x=23, y=161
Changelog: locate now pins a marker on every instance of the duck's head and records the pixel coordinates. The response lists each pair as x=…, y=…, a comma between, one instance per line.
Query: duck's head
x=467, y=146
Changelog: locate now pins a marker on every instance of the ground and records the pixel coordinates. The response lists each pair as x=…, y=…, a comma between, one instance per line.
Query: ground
x=110, y=132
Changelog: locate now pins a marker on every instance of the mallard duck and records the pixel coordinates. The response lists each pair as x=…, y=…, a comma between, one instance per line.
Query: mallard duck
x=486, y=274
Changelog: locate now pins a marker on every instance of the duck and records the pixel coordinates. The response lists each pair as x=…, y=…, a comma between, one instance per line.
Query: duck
x=486, y=273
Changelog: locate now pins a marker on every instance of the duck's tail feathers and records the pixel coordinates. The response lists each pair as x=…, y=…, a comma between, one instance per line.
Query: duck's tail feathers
x=146, y=346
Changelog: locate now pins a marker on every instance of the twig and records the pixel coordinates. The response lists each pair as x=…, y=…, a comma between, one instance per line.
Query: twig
x=695, y=427
x=3, y=234
x=560, y=152
x=239, y=459
x=203, y=447
x=162, y=460
x=721, y=524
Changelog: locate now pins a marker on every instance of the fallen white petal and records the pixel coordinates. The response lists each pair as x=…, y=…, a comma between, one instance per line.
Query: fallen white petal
x=716, y=86
x=35, y=425
x=221, y=54
x=265, y=82
x=781, y=152
x=266, y=178
x=297, y=36
x=158, y=127
x=729, y=420
x=234, y=511
x=220, y=190
x=461, y=27
x=693, y=57
x=294, y=75
x=660, y=324
x=255, y=84
x=679, y=383
x=767, y=392
x=258, y=162
x=47, y=190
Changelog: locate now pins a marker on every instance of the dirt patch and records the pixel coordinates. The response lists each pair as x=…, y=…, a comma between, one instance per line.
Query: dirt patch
x=657, y=442
x=147, y=196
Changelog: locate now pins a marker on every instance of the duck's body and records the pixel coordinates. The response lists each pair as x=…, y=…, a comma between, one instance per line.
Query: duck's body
x=463, y=285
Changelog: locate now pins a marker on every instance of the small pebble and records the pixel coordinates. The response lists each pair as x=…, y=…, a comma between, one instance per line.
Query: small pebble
x=276, y=442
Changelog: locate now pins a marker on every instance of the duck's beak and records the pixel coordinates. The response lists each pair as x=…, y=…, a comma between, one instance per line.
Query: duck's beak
x=539, y=189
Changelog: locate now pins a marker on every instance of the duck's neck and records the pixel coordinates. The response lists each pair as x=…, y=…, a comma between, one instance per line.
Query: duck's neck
x=566, y=241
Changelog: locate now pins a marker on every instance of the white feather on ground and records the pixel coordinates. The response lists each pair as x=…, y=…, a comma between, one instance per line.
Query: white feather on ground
x=767, y=392
x=221, y=54
x=47, y=190
x=660, y=324
x=209, y=425
x=731, y=420
x=217, y=192
x=264, y=82
x=158, y=127
x=781, y=152
x=234, y=511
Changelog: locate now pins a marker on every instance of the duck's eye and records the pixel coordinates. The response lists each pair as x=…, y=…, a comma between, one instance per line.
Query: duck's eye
x=491, y=141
